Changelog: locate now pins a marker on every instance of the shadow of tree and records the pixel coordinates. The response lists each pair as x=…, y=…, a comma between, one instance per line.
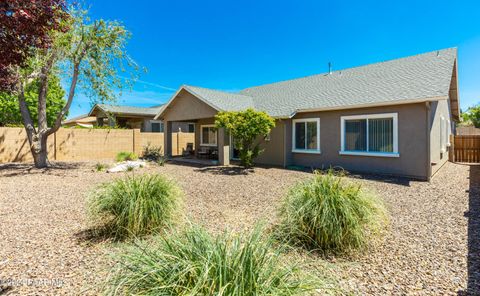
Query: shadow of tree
x=473, y=215
x=226, y=170
x=16, y=169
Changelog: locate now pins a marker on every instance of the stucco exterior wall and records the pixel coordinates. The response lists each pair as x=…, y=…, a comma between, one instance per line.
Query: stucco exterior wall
x=274, y=147
x=412, y=143
x=187, y=107
x=437, y=110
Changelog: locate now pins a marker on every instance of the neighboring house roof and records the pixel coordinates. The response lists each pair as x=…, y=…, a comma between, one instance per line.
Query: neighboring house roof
x=84, y=118
x=423, y=77
x=127, y=110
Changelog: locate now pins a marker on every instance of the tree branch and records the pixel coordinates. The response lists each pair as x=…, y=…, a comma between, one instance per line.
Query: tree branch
x=58, y=121
x=26, y=117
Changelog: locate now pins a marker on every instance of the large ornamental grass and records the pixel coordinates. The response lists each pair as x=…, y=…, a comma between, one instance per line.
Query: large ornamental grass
x=330, y=214
x=135, y=206
x=193, y=262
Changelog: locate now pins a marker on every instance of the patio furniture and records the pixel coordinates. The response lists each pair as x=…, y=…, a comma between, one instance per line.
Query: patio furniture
x=188, y=151
x=203, y=152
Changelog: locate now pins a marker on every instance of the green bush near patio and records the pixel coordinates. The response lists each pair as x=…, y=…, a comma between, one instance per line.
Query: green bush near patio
x=193, y=262
x=135, y=206
x=330, y=214
x=124, y=156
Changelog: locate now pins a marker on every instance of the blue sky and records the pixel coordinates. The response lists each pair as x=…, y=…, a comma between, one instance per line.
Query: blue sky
x=231, y=45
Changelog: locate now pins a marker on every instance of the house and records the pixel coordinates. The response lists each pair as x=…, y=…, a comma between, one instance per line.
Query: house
x=82, y=121
x=133, y=118
x=392, y=117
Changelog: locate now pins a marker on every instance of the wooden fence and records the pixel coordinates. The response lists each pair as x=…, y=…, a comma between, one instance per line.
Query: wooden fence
x=465, y=148
x=86, y=144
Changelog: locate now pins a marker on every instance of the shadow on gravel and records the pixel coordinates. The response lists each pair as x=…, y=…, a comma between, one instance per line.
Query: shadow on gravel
x=227, y=171
x=382, y=178
x=473, y=216
x=18, y=169
x=93, y=236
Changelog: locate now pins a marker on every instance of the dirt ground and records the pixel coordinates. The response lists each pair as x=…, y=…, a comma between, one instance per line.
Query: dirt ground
x=432, y=247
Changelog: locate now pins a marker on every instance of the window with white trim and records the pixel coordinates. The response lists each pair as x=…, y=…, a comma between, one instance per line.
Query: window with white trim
x=156, y=126
x=306, y=135
x=371, y=135
x=444, y=134
x=208, y=135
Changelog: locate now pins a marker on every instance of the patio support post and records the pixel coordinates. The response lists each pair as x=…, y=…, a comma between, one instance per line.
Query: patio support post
x=223, y=147
x=167, y=138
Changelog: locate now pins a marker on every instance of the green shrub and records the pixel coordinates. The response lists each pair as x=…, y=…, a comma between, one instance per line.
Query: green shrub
x=100, y=167
x=193, y=262
x=330, y=214
x=151, y=152
x=124, y=156
x=135, y=205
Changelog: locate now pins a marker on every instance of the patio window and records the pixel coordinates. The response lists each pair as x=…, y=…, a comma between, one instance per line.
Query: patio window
x=208, y=135
x=157, y=126
x=370, y=135
x=306, y=135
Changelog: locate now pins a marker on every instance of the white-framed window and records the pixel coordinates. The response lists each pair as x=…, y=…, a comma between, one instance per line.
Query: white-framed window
x=370, y=135
x=156, y=126
x=191, y=128
x=449, y=132
x=208, y=135
x=306, y=135
x=444, y=134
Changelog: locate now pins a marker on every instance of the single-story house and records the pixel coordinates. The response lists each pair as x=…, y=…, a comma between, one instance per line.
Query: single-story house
x=134, y=118
x=82, y=120
x=392, y=117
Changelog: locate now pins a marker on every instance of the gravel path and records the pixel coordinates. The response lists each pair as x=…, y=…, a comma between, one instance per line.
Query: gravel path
x=42, y=218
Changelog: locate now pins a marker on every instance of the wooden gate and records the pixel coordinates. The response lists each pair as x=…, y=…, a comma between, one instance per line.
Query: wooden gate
x=465, y=149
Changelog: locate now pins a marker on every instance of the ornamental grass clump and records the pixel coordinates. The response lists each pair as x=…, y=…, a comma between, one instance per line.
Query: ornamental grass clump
x=135, y=206
x=330, y=214
x=193, y=262
x=124, y=156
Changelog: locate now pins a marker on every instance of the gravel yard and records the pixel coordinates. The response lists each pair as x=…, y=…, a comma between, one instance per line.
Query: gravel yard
x=432, y=247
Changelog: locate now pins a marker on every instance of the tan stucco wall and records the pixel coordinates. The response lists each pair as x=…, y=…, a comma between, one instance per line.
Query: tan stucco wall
x=412, y=143
x=274, y=149
x=187, y=107
x=437, y=110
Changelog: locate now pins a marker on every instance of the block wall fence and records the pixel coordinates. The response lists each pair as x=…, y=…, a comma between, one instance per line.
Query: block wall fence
x=86, y=144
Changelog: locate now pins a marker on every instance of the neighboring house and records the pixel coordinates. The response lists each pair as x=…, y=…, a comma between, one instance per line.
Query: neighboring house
x=133, y=118
x=392, y=117
x=81, y=120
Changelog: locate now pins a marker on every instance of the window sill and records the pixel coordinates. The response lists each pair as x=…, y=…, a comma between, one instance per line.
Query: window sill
x=306, y=151
x=209, y=145
x=375, y=154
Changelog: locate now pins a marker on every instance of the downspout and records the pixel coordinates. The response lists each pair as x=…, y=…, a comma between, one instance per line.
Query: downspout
x=284, y=144
x=429, y=154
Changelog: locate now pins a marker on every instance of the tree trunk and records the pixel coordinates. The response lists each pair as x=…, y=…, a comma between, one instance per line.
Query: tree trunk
x=39, y=151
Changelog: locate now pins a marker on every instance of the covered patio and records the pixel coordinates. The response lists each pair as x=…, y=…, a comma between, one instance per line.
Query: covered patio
x=212, y=145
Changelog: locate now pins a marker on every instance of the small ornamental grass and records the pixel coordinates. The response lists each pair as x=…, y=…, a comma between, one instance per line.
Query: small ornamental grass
x=124, y=156
x=330, y=214
x=135, y=205
x=193, y=262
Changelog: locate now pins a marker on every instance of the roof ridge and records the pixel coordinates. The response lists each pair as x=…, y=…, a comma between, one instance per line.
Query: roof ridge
x=217, y=90
x=351, y=68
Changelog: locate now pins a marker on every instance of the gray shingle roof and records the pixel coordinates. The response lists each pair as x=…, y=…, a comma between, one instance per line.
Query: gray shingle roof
x=129, y=110
x=423, y=76
x=222, y=100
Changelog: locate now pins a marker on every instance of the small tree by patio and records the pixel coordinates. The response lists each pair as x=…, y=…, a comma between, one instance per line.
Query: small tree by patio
x=245, y=127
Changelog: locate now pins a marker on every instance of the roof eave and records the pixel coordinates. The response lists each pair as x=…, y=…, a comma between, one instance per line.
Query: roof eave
x=358, y=106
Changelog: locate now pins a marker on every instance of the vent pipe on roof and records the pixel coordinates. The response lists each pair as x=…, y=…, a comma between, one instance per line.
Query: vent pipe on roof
x=329, y=68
